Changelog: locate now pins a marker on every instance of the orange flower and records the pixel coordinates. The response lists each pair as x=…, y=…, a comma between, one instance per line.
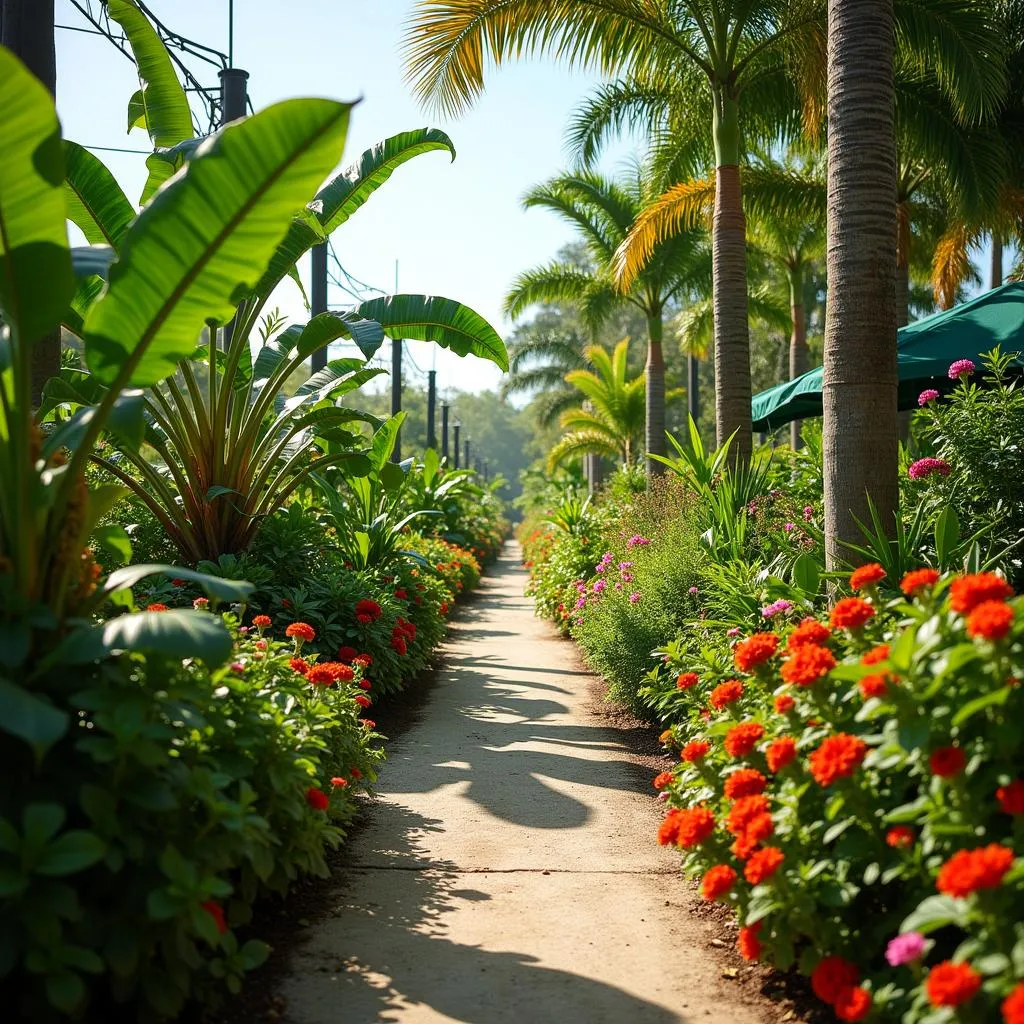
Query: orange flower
x=950, y=984
x=717, y=882
x=726, y=693
x=745, y=782
x=1011, y=797
x=686, y=828
x=917, y=580
x=663, y=779
x=900, y=836
x=784, y=703
x=875, y=655
x=748, y=944
x=832, y=977
x=967, y=592
x=157, y=607
x=744, y=811
x=947, y=762
x=687, y=680
x=807, y=664
x=301, y=631
x=850, y=613
x=695, y=750
x=853, y=1004
x=990, y=620
x=759, y=828
x=780, y=753
x=299, y=665
x=968, y=871
x=740, y=739
x=763, y=865
x=321, y=675
x=875, y=686
x=810, y=631
x=261, y=621
x=754, y=651
x=869, y=575
x=838, y=757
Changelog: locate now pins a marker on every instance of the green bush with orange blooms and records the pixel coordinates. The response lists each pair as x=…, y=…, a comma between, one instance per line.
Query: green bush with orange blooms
x=853, y=786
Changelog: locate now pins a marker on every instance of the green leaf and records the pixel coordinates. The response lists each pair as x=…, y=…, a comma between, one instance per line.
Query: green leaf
x=36, y=279
x=216, y=587
x=806, y=574
x=29, y=717
x=167, y=116
x=254, y=954
x=205, y=239
x=65, y=990
x=114, y=539
x=125, y=420
x=947, y=535
x=933, y=913
x=96, y=204
x=995, y=698
x=73, y=851
x=445, y=322
x=328, y=327
x=40, y=823
x=136, y=111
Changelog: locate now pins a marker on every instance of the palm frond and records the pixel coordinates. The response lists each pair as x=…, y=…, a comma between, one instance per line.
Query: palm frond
x=581, y=443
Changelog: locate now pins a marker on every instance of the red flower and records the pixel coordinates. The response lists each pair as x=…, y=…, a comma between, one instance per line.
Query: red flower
x=850, y=613
x=329, y=672
x=363, y=660
x=1013, y=1006
x=900, y=837
x=368, y=607
x=807, y=664
x=748, y=944
x=398, y=644
x=763, y=864
x=367, y=723
x=740, y=739
x=338, y=782
x=364, y=619
x=317, y=799
x=355, y=773
x=967, y=592
x=261, y=621
x=950, y=984
x=363, y=701
x=810, y=631
x=869, y=575
x=758, y=829
x=726, y=693
x=301, y=631
x=216, y=911
x=347, y=654
x=968, y=871
x=754, y=651
x=179, y=583
x=838, y=757
x=780, y=753
x=365, y=684
x=744, y=811
x=784, y=703
x=745, y=782
x=1011, y=797
x=717, y=882
x=917, y=580
x=990, y=620
x=687, y=679
x=664, y=779
x=875, y=655
x=695, y=750
x=832, y=977
x=947, y=762
x=299, y=665
x=686, y=828
x=875, y=686
x=853, y=1004
x=157, y=607
x=402, y=594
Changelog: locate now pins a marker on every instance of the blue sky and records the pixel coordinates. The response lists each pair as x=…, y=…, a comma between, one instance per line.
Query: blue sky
x=456, y=229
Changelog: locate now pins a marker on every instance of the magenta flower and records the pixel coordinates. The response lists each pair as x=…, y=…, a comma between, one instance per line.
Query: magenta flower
x=779, y=607
x=201, y=602
x=808, y=513
x=625, y=565
x=599, y=585
x=637, y=541
x=627, y=577
x=926, y=467
x=904, y=949
x=960, y=369
x=618, y=586
x=634, y=597
x=237, y=666
x=928, y=395
x=581, y=602
x=789, y=527
x=693, y=590
x=735, y=631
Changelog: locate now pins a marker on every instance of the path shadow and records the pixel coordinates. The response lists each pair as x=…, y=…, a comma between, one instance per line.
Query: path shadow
x=387, y=949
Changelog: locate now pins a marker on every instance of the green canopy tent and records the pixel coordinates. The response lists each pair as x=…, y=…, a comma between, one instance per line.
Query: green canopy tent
x=925, y=350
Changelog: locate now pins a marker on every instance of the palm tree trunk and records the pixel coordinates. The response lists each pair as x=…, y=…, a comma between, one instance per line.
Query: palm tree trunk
x=996, y=276
x=798, y=355
x=729, y=255
x=655, y=410
x=859, y=392
x=902, y=319
x=693, y=387
x=26, y=28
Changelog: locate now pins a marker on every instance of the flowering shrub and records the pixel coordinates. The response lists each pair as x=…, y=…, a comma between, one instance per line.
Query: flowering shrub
x=859, y=797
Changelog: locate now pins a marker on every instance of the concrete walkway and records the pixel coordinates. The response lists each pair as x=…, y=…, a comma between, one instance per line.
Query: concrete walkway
x=509, y=871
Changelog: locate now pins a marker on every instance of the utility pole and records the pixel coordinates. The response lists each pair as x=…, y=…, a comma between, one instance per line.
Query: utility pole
x=444, y=430
x=431, y=408
x=318, y=296
x=396, y=393
x=458, y=427
x=234, y=100
x=469, y=465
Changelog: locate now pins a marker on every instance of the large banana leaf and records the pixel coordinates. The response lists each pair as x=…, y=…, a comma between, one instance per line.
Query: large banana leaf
x=36, y=279
x=445, y=322
x=206, y=238
x=165, y=108
x=341, y=197
x=95, y=201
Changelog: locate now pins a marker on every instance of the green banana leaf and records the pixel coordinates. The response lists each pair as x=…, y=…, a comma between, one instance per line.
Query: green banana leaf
x=95, y=201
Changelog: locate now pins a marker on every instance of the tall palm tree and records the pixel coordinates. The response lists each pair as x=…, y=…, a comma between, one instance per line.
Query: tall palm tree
x=610, y=418
x=604, y=211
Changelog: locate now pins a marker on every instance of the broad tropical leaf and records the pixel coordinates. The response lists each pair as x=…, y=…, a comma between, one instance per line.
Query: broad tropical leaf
x=96, y=203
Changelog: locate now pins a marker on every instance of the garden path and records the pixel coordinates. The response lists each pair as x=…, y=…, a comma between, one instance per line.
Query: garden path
x=508, y=872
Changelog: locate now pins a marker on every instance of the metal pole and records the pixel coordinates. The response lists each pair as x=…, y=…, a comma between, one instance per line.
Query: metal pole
x=458, y=427
x=231, y=33
x=234, y=96
x=469, y=465
x=444, y=430
x=693, y=387
x=396, y=392
x=431, y=408
x=318, y=295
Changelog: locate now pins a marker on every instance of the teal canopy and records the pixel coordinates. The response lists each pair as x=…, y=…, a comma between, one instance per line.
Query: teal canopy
x=925, y=350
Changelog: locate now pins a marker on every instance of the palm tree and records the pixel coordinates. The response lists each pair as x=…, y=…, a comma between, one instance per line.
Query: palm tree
x=716, y=50
x=610, y=420
x=604, y=211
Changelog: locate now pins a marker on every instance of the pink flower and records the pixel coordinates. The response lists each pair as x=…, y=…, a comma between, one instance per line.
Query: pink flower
x=625, y=565
x=808, y=513
x=789, y=527
x=200, y=603
x=904, y=949
x=634, y=597
x=925, y=467
x=627, y=577
x=926, y=396
x=776, y=608
x=599, y=585
x=581, y=602
x=693, y=590
x=618, y=586
x=238, y=667
x=960, y=369
x=637, y=541
x=735, y=631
